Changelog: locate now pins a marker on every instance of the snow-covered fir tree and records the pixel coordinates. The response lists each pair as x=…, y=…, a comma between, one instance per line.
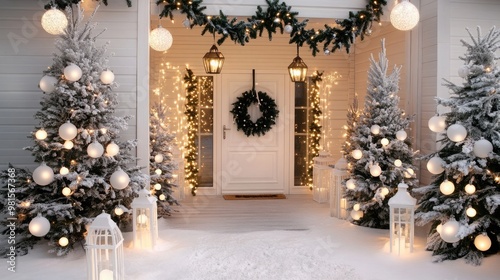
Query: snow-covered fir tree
x=161, y=162
x=352, y=121
x=381, y=155
x=78, y=105
x=462, y=203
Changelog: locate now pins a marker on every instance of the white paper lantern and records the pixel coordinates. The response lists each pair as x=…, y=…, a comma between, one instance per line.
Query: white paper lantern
x=470, y=189
x=68, y=131
x=43, y=175
x=375, y=170
x=39, y=226
x=157, y=186
x=463, y=71
x=63, y=241
x=356, y=215
x=356, y=207
x=482, y=242
x=384, y=141
x=398, y=163
x=107, y=77
x=401, y=135
x=66, y=191
x=471, y=212
x=112, y=149
x=158, y=171
x=357, y=154
x=435, y=165
x=95, y=149
x=48, y=84
x=437, y=124
x=482, y=148
x=119, y=211
x=41, y=134
x=288, y=29
x=456, y=132
x=68, y=144
x=119, y=179
x=72, y=72
x=404, y=16
x=160, y=39
x=375, y=129
x=350, y=184
x=162, y=197
x=384, y=191
x=449, y=231
x=158, y=158
x=54, y=21
x=64, y=170
x=447, y=187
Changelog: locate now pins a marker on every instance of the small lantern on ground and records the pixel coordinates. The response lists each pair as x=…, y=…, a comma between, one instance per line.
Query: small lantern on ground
x=104, y=250
x=338, y=204
x=144, y=219
x=402, y=220
x=321, y=176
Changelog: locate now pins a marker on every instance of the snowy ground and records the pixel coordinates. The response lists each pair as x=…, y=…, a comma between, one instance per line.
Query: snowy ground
x=277, y=239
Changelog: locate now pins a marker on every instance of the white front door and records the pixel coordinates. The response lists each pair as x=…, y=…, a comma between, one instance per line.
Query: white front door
x=253, y=164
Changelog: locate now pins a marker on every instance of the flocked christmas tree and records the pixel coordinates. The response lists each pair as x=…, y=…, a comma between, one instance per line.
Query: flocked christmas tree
x=381, y=155
x=77, y=139
x=161, y=163
x=462, y=203
x=352, y=122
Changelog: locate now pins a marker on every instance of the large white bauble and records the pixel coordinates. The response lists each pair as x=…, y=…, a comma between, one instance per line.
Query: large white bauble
x=112, y=149
x=375, y=129
x=288, y=29
x=456, y=132
x=404, y=16
x=158, y=158
x=437, y=124
x=160, y=39
x=41, y=134
x=447, y=187
x=68, y=131
x=39, y=226
x=95, y=149
x=375, y=170
x=449, y=231
x=350, y=184
x=356, y=215
x=401, y=135
x=435, y=165
x=72, y=72
x=119, y=179
x=463, y=71
x=482, y=148
x=54, y=21
x=470, y=189
x=107, y=77
x=384, y=141
x=48, y=84
x=357, y=154
x=43, y=175
x=482, y=242
x=63, y=241
x=398, y=163
x=68, y=144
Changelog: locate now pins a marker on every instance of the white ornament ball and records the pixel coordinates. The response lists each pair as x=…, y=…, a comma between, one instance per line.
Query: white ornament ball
x=48, y=84
x=68, y=144
x=54, y=21
x=449, y=231
x=63, y=241
x=66, y=191
x=375, y=129
x=119, y=179
x=41, y=134
x=95, y=149
x=356, y=215
x=158, y=171
x=119, y=211
x=435, y=165
x=43, y=175
x=384, y=191
x=72, y=72
x=158, y=158
x=157, y=186
x=398, y=163
x=160, y=39
x=64, y=170
x=463, y=71
x=482, y=242
x=404, y=16
x=384, y=141
x=288, y=29
x=401, y=135
x=375, y=170
x=437, y=124
x=447, y=187
x=456, y=132
x=482, y=148
x=350, y=184
x=162, y=197
x=357, y=154
x=471, y=212
x=68, y=131
x=39, y=226
x=470, y=189
x=356, y=207
x=112, y=149
x=107, y=77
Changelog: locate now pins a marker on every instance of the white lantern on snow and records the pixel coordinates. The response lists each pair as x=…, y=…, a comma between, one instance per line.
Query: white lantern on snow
x=43, y=175
x=449, y=231
x=119, y=179
x=144, y=220
x=107, y=77
x=435, y=165
x=39, y=226
x=404, y=16
x=68, y=131
x=54, y=21
x=375, y=129
x=95, y=149
x=41, y=134
x=447, y=187
x=456, y=132
x=321, y=177
x=357, y=154
x=375, y=170
x=72, y=72
x=112, y=149
x=482, y=242
x=482, y=148
x=437, y=124
x=401, y=219
x=158, y=158
x=104, y=246
x=338, y=204
x=48, y=84
x=401, y=135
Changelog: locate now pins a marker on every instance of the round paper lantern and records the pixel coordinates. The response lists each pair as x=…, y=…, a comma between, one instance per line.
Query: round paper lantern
x=162, y=197
x=157, y=187
x=107, y=77
x=384, y=141
x=456, y=132
x=482, y=242
x=449, y=231
x=471, y=212
x=435, y=165
x=142, y=219
x=401, y=135
x=463, y=71
x=39, y=226
x=68, y=131
x=447, y=187
x=288, y=29
x=356, y=207
x=439, y=228
x=95, y=149
x=398, y=163
x=437, y=124
x=43, y=175
x=158, y=171
x=41, y=134
x=160, y=39
x=66, y=191
x=63, y=241
x=350, y=184
x=54, y=21
x=384, y=191
x=72, y=72
x=158, y=158
x=357, y=154
x=64, y=170
x=470, y=189
x=119, y=211
x=482, y=148
x=375, y=170
x=356, y=215
x=112, y=149
x=119, y=179
x=375, y=129
x=404, y=16
x=48, y=84
x=68, y=144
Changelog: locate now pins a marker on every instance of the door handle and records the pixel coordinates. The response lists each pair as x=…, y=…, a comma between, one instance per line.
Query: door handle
x=224, y=128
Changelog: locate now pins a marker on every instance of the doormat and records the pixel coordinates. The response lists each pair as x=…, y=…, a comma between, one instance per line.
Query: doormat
x=253, y=196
